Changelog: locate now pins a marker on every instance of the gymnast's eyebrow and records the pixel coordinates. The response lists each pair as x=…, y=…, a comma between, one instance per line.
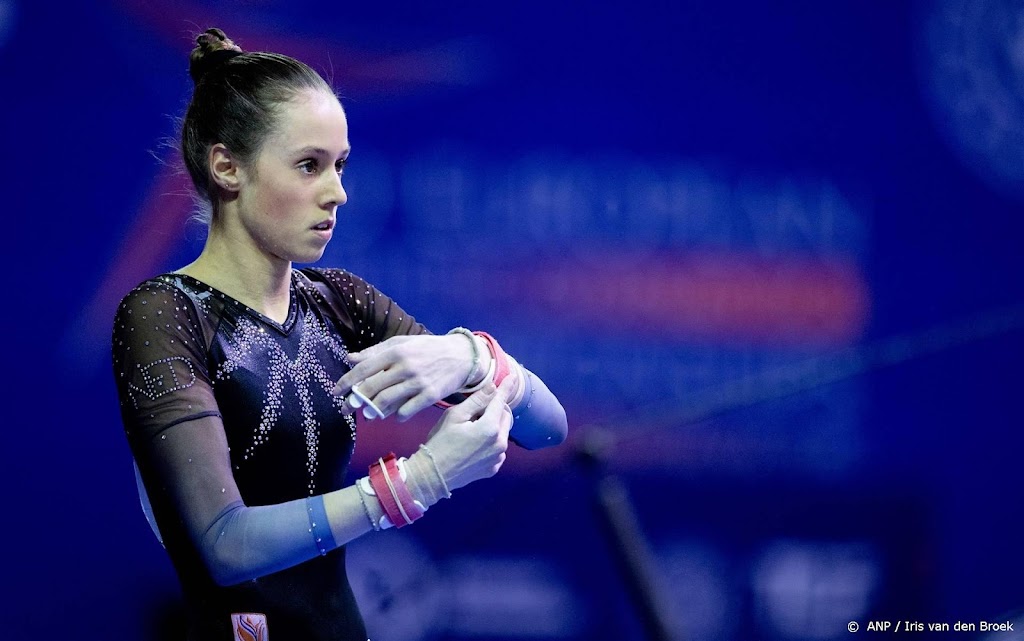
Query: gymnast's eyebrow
x=320, y=151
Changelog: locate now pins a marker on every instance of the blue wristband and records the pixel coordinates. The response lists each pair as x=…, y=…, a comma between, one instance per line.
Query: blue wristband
x=318, y=525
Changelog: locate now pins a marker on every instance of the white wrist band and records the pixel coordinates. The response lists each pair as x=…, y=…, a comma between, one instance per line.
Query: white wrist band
x=520, y=376
x=476, y=354
x=364, y=486
x=483, y=381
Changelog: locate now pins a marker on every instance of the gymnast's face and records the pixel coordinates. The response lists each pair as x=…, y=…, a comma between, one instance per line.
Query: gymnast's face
x=288, y=199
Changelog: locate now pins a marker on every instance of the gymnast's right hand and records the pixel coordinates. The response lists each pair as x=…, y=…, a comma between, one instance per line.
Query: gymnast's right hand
x=470, y=440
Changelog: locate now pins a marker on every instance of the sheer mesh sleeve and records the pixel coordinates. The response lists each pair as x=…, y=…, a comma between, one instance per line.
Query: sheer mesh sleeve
x=371, y=315
x=159, y=355
x=174, y=428
x=539, y=418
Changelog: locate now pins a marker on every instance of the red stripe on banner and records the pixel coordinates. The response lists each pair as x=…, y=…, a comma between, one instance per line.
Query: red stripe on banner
x=452, y=63
x=729, y=295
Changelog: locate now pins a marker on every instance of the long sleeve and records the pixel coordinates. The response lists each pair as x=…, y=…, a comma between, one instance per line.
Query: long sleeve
x=540, y=419
x=175, y=429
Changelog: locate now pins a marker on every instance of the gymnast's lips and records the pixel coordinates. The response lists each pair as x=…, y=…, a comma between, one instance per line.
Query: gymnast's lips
x=324, y=225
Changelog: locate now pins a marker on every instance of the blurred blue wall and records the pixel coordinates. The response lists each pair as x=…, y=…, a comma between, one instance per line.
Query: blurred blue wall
x=769, y=253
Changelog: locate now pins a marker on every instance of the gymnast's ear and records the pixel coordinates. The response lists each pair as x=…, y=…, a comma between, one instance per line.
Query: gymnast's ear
x=225, y=168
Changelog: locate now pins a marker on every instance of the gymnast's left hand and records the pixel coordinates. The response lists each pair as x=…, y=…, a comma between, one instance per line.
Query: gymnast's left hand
x=405, y=374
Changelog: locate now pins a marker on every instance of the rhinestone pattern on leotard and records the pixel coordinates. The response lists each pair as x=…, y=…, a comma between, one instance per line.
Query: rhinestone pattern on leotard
x=305, y=373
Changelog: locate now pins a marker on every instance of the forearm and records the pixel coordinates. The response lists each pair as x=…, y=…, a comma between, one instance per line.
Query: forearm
x=244, y=543
x=347, y=515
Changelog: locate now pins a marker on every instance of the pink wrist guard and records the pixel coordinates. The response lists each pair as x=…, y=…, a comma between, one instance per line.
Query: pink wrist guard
x=392, y=492
x=501, y=368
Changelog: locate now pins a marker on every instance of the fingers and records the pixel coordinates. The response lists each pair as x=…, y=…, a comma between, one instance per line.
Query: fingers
x=413, y=406
x=475, y=404
x=390, y=386
x=507, y=420
x=498, y=412
x=360, y=372
x=383, y=389
x=401, y=398
x=369, y=362
x=507, y=389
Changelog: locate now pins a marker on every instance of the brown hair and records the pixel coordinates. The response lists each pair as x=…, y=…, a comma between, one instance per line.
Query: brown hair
x=236, y=99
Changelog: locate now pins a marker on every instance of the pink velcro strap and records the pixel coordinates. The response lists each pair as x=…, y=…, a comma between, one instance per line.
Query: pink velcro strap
x=379, y=482
x=502, y=368
x=392, y=492
x=406, y=504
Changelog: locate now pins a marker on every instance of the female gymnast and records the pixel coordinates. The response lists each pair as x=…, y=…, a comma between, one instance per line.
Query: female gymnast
x=239, y=376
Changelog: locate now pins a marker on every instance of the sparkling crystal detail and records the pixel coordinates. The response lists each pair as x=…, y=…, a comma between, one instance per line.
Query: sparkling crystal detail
x=305, y=373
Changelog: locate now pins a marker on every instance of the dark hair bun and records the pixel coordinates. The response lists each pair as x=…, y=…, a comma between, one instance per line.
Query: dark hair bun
x=213, y=48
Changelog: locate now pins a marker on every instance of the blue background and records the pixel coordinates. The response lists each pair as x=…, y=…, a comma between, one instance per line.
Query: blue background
x=769, y=255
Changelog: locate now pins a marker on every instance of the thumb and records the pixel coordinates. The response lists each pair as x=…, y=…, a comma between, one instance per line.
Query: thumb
x=474, y=405
x=497, y=410
x=506, y=388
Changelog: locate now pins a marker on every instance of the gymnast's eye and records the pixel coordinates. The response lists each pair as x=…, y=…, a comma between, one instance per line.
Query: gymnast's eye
x=308, y=166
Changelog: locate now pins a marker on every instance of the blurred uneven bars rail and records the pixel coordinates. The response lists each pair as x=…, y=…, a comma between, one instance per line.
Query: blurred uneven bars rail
x=611, y=497
x=814, y=372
